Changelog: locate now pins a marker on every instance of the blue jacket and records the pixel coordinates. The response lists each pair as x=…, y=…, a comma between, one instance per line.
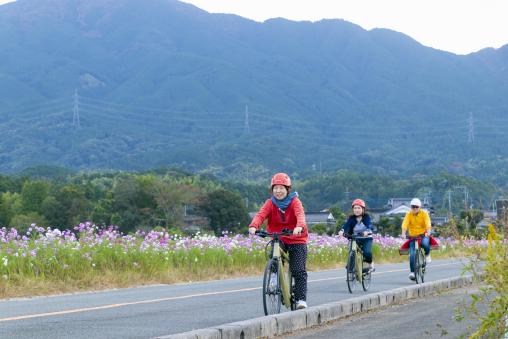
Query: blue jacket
x=351, y=222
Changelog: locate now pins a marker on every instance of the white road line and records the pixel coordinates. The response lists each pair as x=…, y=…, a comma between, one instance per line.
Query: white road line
x=88, y=309
x=77, y=310
x=384, y=272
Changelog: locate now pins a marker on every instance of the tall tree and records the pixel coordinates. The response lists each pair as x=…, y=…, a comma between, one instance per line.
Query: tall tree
x=225, y=210
x=171, y=199
x=33, y=194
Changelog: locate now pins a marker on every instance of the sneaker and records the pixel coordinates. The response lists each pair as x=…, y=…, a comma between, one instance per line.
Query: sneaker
x=300, y=304
x=428, y=259
x=368, y=269
x=412, y=276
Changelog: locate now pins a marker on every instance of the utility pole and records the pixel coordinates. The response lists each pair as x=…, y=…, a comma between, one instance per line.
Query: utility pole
x=246, y=127
x=470, y=122
x=449, y=203
x=75, y=117
x=466, y=198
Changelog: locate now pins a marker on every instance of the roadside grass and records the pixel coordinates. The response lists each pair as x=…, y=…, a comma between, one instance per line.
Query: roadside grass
x=48, y=261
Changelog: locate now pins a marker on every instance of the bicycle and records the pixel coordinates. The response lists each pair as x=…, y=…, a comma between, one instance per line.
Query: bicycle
x=419, y=260
x=278, y=283
x=355, y=270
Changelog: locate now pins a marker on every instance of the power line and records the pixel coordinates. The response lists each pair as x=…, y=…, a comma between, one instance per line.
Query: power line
x=136, y=108
x=32, y=106
x=121, y=114
x=272, y=118
x=314, y=130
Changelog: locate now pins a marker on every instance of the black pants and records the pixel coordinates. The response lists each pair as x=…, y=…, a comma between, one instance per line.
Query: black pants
x=298, y=267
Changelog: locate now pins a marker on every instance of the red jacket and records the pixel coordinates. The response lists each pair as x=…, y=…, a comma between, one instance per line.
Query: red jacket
x=404, y=248
x=293, y=217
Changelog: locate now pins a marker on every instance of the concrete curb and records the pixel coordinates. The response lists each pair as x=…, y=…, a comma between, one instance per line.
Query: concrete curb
x=272, y=325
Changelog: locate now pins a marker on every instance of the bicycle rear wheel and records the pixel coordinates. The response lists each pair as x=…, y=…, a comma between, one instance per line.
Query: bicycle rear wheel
x=272, y=296
x=366, y=277
x=419, y=267
x=351, y=272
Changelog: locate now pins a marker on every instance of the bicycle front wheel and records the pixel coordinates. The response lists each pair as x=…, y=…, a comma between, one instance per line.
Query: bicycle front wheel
x=421, y=265
x=351, y=272
x=366, y=277
x=418, y=267
x=272, y=296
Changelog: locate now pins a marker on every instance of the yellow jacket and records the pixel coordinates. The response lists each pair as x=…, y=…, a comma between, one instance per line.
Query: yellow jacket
x=416, y=224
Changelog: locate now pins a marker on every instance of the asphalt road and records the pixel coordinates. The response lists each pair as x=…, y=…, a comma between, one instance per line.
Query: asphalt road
x=432, y=317
x=158, y=310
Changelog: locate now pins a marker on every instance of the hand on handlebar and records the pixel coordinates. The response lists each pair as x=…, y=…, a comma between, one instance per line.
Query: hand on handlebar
x=297, y=230
x=403, y=235
x=341, y=233
x=252, y=230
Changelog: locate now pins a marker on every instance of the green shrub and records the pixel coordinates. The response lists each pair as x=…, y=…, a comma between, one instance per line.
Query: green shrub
x=494, y=293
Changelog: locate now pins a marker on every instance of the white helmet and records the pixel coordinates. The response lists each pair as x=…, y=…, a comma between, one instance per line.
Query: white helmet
x=416, y=202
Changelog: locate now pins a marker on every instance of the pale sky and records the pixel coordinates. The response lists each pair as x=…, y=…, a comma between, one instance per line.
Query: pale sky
x=458, y=26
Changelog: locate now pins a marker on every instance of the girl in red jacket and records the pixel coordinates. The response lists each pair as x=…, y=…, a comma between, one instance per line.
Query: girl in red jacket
x=285, y=210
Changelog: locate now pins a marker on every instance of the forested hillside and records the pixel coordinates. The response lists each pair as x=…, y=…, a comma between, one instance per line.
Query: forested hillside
x=134, y=85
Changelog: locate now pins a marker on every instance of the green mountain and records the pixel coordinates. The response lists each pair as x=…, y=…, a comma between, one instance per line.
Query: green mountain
x=128, y=84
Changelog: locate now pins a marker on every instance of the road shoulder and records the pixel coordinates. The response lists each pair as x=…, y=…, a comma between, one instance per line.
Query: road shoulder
x=429, y=317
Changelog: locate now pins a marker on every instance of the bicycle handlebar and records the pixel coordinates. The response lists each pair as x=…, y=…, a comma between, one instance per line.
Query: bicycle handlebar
x=352, y=236
x=264, y=234
x=417, y=237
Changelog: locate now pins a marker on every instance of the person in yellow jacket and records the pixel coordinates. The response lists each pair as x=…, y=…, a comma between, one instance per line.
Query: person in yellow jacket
x=417, y=224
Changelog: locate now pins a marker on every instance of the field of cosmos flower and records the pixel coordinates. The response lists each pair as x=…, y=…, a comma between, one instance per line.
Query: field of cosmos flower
x=50, y=261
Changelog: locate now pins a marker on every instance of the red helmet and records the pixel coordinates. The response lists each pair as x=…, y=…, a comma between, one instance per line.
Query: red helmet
x=281, y=179
x=358, y=202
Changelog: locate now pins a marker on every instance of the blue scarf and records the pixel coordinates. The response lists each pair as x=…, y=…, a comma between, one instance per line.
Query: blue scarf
x=284, y=203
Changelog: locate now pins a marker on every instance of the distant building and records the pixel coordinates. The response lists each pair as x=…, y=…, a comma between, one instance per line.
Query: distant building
x=399, y=210
x=489, y=214
x=396, y=202
x=483, y=224
x=400, y=206
x=194, y=223
x=314, y=218
x=502, y=209
x=438, y=221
